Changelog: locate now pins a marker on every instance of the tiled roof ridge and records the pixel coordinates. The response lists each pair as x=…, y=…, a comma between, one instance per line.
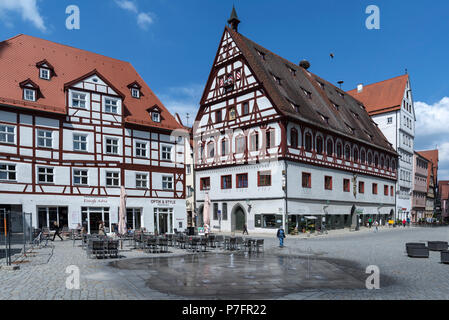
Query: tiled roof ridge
x=379, y=82
x=68, y=46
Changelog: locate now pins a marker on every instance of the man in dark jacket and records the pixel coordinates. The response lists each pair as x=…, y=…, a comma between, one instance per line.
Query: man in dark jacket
x=281, y=236
x=56, y=226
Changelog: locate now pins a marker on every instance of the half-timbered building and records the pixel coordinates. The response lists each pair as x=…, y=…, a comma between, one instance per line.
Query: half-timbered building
x=277, y=145
x=77, y=126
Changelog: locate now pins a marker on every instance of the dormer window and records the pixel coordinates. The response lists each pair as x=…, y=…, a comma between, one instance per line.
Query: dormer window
x=307, y=93
x=44, y=73
x=46, y=70
x=156, y=116
x=135, y=93
x=135, y=90
x=29, y=94
x=31, y=90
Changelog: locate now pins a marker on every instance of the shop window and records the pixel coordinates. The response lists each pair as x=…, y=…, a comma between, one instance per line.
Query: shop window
x=267, y=221
x=346, y=185
x=306, y=180
x=327, y=183
x=226, y=182
x=242, y=180
x=361, y=187
x=264, y=178
x=205, y=183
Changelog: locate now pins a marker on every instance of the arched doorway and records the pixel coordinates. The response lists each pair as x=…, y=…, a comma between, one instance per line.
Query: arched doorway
x=238, y=218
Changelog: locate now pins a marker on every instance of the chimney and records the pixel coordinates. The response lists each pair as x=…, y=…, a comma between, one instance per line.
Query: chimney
x=360, y=87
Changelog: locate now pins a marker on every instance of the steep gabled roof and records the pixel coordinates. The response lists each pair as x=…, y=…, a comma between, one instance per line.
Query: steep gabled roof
x=290, y=85
x=384, y=96
x=20, y=54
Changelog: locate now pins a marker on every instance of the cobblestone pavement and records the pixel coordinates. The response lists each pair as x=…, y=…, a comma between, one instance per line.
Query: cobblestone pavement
x=42, y=273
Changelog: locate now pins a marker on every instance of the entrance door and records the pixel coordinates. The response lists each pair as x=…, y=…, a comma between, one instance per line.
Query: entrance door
x=239, y=219
x=92, y=216
x=94, y=221
x=163, y=219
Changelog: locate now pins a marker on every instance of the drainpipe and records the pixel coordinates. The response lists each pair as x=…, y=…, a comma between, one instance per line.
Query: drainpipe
x=286, y=197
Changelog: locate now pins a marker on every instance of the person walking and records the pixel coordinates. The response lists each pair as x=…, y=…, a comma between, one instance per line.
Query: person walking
x=370, y=221
x=245, y=229
x=376, y=226
x=281, y=236
x=56, y=226
x=403, y=223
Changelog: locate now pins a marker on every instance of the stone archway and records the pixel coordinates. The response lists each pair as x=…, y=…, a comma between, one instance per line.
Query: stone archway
x=238, y=218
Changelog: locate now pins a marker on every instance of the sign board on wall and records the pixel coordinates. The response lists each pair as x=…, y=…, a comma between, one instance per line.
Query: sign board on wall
x=96, y=201
x=74, y=219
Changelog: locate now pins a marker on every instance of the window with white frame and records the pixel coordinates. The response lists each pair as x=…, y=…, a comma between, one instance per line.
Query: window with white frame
x=45, y=175
x=188, y=169
x=44, y=138
x=112, y=179
x=156, y=116
x=111, y=105
x=141, y=180
x=80, y=177
x=390, y=120
x=135, y=93
x=167, y=183
x=111, y=146
x=141, y=149
x=44, y=73
x=7, y=134
x=166, y=152
x=79, y=100
x=29, y=94
x=79, y=142
x=7, y=172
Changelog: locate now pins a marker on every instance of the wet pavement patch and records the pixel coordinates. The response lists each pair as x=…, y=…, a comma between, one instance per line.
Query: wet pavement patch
x=240, y=276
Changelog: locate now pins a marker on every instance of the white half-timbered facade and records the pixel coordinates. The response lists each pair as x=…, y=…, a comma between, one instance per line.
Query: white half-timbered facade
x=77, y=128
x=276, y=145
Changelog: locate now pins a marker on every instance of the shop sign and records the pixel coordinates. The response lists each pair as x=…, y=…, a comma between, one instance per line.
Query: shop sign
x=163, y=202
x=95, y=200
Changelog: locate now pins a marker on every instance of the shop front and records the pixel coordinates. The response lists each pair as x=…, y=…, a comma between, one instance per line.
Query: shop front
x=92, y=216
x=47, y=216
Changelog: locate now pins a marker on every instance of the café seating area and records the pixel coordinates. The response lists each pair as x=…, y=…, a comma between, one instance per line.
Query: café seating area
x=102, y=246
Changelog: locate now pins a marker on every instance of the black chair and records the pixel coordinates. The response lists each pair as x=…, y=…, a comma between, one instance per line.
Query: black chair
x=219, y=241
x=259, y=244
x=112, y=248
x=203, y=244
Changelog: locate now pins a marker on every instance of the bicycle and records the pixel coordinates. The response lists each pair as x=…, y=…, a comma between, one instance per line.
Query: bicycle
x=40, y=239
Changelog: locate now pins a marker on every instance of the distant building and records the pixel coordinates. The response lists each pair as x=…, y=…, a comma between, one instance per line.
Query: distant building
x=190, y=174
x=419, y=195
x=390, y=104
x=277, y=145
x=443, y=192
x=432, y=208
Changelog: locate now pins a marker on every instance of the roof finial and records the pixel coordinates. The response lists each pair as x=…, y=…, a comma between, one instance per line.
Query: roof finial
x=234, y=20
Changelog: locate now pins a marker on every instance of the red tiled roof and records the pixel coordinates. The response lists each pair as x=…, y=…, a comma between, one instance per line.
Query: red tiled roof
x=292, y=90
x=20, y=54
x=384, y=96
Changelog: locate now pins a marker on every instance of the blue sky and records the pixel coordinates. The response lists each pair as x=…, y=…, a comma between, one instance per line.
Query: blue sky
x=172, y=44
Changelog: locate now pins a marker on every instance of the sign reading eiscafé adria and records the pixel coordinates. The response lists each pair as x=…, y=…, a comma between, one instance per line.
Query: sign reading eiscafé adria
x=95, y=200
x=163, y=202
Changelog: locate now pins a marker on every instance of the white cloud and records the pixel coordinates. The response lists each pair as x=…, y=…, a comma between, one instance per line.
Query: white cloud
x=431, y=119
x=183, y=100
x=28, y=10
x=144, y=19
x=432, y=130
x=127, y=5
